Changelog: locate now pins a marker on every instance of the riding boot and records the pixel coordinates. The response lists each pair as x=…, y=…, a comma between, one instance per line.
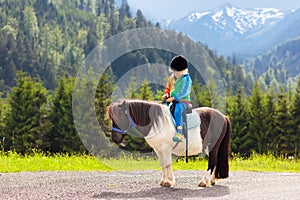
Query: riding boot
x=178, y=136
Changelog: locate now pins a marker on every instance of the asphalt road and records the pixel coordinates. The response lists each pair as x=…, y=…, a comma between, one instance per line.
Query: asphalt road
x=145, y=185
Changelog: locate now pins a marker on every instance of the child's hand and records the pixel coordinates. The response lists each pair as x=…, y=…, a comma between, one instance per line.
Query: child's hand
x=170, y=99
x=165, y=96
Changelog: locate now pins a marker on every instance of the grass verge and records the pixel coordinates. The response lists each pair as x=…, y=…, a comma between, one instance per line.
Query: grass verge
x=13, y=162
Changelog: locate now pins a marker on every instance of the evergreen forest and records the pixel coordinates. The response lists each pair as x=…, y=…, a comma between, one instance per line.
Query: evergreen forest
x=43, y=43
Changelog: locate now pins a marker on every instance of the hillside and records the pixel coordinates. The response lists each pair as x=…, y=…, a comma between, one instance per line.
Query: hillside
x=283, y=57
x=48, y=39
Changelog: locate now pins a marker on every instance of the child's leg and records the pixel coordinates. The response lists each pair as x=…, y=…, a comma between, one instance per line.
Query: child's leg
x=177, y=115
x=179, y=108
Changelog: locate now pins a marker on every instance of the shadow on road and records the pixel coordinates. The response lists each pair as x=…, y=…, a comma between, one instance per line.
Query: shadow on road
x=168, y=193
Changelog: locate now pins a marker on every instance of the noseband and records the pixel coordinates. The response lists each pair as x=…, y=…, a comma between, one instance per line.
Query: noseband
x=130, y=125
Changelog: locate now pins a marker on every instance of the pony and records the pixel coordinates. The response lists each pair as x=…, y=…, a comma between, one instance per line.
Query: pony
x=153, y=122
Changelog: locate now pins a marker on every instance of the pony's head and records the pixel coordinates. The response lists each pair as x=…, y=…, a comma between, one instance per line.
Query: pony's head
x=134, y=117
x=118, y=113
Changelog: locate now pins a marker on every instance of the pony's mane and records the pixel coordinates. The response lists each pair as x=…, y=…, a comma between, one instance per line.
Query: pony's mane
x=144, y=102
x=146, y=114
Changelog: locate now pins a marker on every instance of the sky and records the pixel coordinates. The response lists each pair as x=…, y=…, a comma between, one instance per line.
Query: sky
x=176, y=9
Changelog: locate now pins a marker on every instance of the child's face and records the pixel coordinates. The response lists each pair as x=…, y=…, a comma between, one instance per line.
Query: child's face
x=177, y=74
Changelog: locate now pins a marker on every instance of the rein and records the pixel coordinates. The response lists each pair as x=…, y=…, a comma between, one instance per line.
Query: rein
x=130, y=125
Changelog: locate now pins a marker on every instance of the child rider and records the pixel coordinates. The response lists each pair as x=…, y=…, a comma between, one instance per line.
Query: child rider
x=179, y=93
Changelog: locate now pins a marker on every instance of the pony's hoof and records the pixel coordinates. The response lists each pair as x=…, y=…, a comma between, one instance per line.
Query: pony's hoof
x=201, y=184
x=162, y=183
x=166, y=184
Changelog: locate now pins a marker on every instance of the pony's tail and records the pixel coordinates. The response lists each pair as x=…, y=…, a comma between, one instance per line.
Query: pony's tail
x=222, y=168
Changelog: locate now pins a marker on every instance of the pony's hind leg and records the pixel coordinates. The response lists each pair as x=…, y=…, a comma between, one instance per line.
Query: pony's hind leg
x=205, y=180
x=208, y=179
x=213, y=177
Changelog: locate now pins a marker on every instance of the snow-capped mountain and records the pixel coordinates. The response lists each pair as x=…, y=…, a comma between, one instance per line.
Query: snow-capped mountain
x=228, y=29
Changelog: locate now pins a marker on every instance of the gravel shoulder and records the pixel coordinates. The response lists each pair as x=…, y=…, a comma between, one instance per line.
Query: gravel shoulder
x=145, y=185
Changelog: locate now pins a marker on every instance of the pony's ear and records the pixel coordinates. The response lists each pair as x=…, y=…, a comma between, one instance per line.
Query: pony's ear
x=123, y=104
x=109, y=111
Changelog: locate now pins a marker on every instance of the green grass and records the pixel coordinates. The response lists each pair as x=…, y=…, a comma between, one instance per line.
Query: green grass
x=13, y=162
x=265, y=163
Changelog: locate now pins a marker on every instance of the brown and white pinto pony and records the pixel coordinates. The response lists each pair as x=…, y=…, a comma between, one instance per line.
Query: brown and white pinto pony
x=153, y=122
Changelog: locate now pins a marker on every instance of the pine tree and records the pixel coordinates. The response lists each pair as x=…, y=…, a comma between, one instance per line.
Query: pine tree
x=91, y=6
x=28, y=60
x=92, y=40
x=30, y=23
x=249, y=83
x=88, y=110
x=25, y=117
x=2, y=125
x=114, y=22
x=131, y=88
x=256, y=135
x=63, y=136
x=194, y=93
x=124, y=10
x=102, y=28
x=47, y=74
x=145, y=92
x=237, y=110
x=214, y=95
x=10, y=72
x=140, y=21
x=204, y=97
x=238, y=78
x=296, y=120
x=269, y=119
x=158, y=95
x=283, y=126
x=103, y=99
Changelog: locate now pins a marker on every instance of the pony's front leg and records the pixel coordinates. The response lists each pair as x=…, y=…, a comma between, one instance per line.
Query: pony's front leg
x=166, y=163
x=165, y=158
x=170, y=179
x=164, y=175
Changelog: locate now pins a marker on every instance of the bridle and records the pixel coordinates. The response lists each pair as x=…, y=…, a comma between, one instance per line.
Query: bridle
x=130, y=125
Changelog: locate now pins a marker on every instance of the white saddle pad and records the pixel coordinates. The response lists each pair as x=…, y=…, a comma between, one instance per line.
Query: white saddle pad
x=193, y=119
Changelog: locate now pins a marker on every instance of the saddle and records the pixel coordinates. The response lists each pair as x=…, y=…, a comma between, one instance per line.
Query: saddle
x=190, y=119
